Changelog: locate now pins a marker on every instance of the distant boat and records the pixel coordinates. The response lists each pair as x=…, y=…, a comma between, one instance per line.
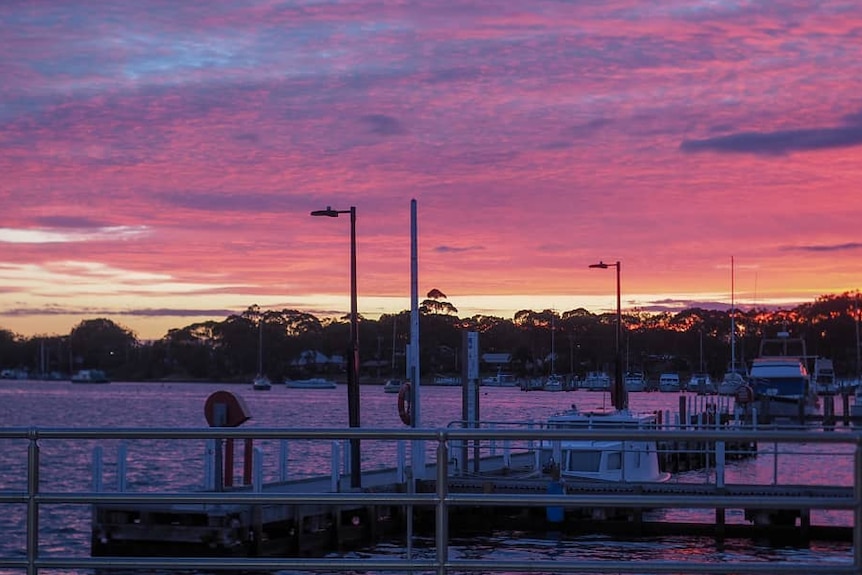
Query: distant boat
x=553, y=383
x=634, y=381
x=736, y=375
x=313, y=383
x=90, y=376
x=392, y=385
x=734, y=378
x=261, y=383
x=669, y=382
x=823, y=377
x=701, y=384
x=500, y=380
x=596, y=381
x=447, y=380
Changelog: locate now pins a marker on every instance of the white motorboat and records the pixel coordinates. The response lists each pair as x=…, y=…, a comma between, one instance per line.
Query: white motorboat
x=669, y=382
x=630, y=460
x=312, y=383
x=447, y=380
x=596, y=381
x=780, y=380
x=634, y=381
x=823, y=377
x=500, y=380
x=90, y=376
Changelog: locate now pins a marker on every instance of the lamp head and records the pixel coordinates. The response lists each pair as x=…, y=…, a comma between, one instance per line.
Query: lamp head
x=329, y=212
x=601, y=265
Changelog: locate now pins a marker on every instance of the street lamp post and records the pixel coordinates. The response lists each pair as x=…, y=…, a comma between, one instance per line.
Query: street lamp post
x=619, y=396
x=353, y=366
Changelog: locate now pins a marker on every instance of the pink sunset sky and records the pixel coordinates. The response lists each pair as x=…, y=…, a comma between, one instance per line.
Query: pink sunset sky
x=159, y=159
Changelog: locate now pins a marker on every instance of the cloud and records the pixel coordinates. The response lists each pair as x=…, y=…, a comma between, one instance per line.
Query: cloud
x=92, y=311
x=674, y=305
x=779, y=142
x=383, y=125
x=455, y=250
x=849, y=246
x=75, y=222
x=47, y=236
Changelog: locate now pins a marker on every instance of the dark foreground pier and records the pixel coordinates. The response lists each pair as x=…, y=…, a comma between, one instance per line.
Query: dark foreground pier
x=301, y=523
x=315, y=516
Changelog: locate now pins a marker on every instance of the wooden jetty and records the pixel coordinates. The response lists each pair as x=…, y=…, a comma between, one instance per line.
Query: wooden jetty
x=307, y=518
x=314, y=516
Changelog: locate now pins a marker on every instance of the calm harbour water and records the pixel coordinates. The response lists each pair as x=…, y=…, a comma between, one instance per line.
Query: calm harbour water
x=157, y=465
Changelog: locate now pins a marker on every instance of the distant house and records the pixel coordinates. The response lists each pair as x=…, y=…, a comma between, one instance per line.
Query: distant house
x=311, y=358
x=497, y=359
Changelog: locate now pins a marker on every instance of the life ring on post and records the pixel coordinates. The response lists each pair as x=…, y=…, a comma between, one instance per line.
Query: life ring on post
x=405, y=411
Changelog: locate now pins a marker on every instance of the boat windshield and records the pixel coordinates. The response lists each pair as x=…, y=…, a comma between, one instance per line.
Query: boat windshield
x=777, y=386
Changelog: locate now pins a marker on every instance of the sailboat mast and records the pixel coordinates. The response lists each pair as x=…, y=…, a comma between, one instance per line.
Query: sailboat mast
x=732, y=319
x=260, y=345
x=553, y=349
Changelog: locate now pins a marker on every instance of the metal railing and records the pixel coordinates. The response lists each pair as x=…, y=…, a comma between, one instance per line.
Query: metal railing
x=34, y=498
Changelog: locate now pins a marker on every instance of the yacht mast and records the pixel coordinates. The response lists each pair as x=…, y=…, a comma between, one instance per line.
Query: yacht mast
x=732, y=319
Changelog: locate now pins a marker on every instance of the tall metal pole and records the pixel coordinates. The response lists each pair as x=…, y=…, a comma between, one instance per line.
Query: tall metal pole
x=353, y=352
x=418, y=447
x=353, y=372
x=619, y=394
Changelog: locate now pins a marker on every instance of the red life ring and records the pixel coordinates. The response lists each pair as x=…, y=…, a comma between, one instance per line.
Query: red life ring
x=404, y=404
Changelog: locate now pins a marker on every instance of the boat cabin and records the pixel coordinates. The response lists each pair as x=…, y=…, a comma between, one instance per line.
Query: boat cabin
x=602, y=459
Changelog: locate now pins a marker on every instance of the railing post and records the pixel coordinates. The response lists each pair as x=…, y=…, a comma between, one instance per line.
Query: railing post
x=442, y=523
x=122, y=452
x=32, y=506
x=400, y=456
x=284, y=452
x=335, y=474
x=210, y=464
x=97, y=469
x=348, y=452
x=256, y=456
x=247, y=463
x=507, y=454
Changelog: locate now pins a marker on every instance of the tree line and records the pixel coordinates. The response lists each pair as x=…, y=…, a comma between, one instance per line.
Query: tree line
x=288, y=341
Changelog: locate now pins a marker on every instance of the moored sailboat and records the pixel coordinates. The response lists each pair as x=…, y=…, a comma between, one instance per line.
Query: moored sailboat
x=260, y=382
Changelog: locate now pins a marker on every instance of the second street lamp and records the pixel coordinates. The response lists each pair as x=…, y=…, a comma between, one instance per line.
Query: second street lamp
x=353, y=359
x=619, y=395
